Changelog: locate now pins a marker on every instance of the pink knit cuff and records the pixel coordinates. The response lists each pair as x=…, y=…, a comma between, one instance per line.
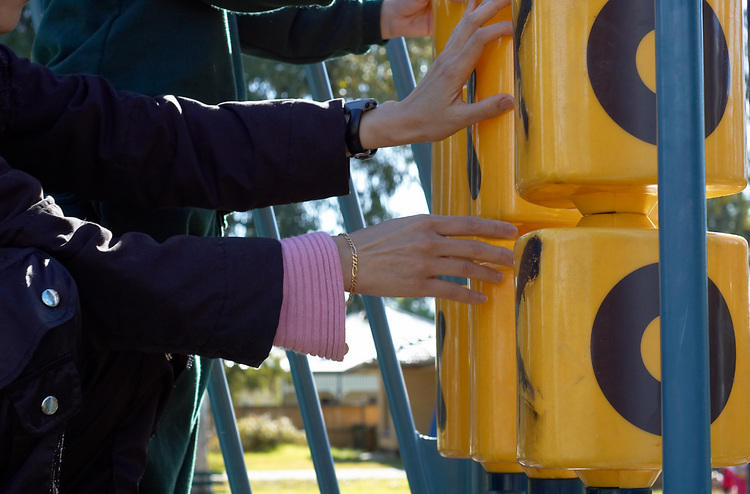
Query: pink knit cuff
x=313, y=312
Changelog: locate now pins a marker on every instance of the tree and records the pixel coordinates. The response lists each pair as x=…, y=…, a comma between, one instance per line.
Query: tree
x=729, y=214
x=22, y=37
x=267, y=380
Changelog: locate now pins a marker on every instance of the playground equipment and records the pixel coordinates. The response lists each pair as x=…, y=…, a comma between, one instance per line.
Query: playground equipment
x=625, y=233
x=588, y=308
x=588, y=297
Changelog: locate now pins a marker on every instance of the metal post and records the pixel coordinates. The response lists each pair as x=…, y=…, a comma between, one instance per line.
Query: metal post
x=393, y=379
x=304, y=386
x=682, y=247
x=36, y=8
x=226, y=428
x=403, y=78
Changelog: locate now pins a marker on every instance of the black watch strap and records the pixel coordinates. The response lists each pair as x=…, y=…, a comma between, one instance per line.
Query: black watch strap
x=354, y=110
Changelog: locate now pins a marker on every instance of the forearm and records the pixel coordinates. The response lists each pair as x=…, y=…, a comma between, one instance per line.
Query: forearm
x=308, y=35
x=218, y=297
x=167, y=151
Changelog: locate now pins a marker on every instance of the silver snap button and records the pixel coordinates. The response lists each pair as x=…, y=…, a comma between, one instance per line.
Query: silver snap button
x=50, y=298
x=49, y=405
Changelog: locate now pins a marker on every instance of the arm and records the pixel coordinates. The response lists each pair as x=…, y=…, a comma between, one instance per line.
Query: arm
x=167, y=151
x=218, y=297
x=308, y=35
x=170, y=151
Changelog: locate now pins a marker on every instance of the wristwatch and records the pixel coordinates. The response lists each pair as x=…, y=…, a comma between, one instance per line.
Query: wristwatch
x=353, y=111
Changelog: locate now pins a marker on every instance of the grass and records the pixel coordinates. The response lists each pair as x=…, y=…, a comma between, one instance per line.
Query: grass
x=345, y=487
x=296, y=457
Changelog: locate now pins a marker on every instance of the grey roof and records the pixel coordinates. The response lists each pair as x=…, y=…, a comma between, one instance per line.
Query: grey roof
x=413, y=337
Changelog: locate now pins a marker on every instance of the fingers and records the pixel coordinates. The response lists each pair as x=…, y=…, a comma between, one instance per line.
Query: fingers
x=470, y=226
x=405, y=257
x=470, y=27
x=453, y=291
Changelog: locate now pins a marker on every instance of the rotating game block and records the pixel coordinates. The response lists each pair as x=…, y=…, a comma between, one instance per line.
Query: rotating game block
x=450, y=197
x=493, y=374
x=491, y=149
x=587, y=312
x=586, y=106
x=445, y=16
x=494, y=380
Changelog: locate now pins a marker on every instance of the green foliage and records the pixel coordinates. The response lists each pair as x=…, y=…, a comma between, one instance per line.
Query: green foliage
x=22, y=37
x=352, y=77
x=729, y=215
x=262, y=433
x=268, y=378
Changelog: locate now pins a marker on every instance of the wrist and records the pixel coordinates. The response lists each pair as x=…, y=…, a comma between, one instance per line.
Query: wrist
x=387, y=126
x=345, y=258
x=353, y=113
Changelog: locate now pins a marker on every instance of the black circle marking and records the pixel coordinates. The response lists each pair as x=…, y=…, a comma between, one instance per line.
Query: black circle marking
x=442, y=413
x=613, y=43
x=616, y=335
x=473, y=168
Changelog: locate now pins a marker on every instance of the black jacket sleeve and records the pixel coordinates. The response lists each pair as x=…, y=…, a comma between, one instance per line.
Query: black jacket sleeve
x=76, y=133
x=218, y=297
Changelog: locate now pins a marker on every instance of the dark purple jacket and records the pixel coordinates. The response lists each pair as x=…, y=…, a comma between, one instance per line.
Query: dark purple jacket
x=138, y=299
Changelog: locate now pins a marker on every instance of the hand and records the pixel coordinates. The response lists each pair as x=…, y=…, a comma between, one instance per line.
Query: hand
x=407, y=18
x=403, y=257
x=435, y=108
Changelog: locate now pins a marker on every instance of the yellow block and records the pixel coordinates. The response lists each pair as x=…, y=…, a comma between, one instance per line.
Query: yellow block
x=450, y=188
x=450, y=197
x=445, y=16
x=452, y=321
x=588, y=346
x=585, y=101
x=494, y=380
x=493, y=374
x=492, y=148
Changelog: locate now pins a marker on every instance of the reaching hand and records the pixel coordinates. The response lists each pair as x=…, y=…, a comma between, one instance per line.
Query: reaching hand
x=407, y=18
x=403, y=257
x=435, y=108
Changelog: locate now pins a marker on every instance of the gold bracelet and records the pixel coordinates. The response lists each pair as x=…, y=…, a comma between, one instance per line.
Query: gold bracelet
x=353, y=284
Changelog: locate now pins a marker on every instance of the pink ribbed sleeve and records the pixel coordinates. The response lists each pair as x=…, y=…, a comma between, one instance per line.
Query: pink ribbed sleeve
x=313, y=310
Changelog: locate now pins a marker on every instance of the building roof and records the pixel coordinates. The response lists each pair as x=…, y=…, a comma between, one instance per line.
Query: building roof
x=413, y=337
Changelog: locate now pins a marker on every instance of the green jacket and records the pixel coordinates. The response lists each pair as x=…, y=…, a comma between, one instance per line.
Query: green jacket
x=182, y=47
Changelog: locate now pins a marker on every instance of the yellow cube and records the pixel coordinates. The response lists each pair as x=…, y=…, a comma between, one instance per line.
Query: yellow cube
x=587, y=315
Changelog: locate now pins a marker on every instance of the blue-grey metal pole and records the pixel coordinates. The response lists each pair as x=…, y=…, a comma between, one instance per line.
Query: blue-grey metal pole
x=36, y=8
x=393, y=379
x=226, y=428
x=403, y=78
x=304, y=385
x=682, y=247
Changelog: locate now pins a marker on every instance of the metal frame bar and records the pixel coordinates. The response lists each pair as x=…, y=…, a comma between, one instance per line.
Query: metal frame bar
x=686, y=446
x=304, y=385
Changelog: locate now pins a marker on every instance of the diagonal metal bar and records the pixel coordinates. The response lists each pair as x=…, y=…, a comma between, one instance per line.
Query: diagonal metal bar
x=393, y=379
x=304, y=385
x=403, y=78
x=225, y=423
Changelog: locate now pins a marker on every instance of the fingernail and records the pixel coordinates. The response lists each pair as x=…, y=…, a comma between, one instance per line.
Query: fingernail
x=499, y=276
x=482, y=298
